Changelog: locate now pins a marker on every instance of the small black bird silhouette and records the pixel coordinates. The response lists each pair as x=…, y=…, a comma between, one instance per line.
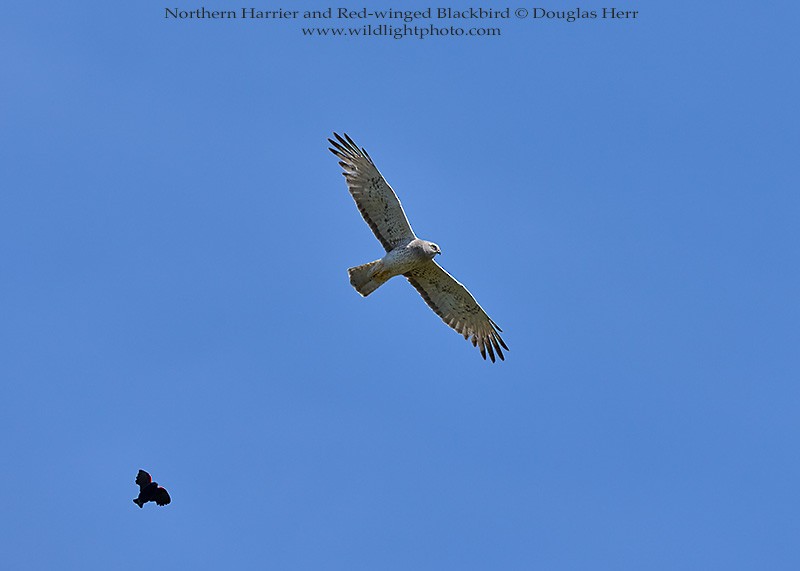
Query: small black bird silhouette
x=150, y=491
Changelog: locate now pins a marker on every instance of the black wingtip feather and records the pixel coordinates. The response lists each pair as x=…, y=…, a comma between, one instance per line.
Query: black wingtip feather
x=341, y=140
x=491, y=351
x=503, y=343
x=497, y=349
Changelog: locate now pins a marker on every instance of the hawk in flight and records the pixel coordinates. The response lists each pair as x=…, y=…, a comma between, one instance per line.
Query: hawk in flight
x=150, y=491
x=408, y=255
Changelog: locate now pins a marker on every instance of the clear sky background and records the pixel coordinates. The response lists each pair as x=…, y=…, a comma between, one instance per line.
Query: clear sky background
x=620, y=196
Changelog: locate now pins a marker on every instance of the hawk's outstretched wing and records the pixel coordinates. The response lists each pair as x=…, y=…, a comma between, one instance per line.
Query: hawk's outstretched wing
x=455, y=305
x=375, y=199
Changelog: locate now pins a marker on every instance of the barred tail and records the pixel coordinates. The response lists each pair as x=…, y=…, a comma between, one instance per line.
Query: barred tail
x=367, y=277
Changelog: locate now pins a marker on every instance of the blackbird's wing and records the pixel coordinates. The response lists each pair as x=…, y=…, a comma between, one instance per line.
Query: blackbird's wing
x=162, y=496
x=143, y=479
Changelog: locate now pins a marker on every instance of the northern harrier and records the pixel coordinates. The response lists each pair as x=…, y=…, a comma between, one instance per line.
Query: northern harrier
x=408, y=255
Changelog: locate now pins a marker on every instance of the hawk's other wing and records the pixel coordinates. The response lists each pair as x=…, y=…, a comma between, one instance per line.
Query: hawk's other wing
x=375, y=199
x=143, y=479
x=455, y=305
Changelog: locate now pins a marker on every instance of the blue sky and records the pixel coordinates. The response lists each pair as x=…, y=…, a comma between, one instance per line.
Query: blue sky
x=621, y=197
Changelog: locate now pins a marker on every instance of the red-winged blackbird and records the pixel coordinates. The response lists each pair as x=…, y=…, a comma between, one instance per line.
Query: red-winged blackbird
x=150, y=491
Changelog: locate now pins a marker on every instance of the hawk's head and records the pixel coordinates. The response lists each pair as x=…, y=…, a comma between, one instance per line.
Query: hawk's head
x=431, y=249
